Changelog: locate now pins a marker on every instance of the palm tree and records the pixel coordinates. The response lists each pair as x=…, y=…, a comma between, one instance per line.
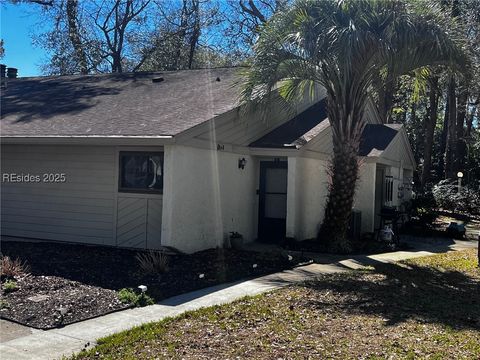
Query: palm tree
x=343, y=46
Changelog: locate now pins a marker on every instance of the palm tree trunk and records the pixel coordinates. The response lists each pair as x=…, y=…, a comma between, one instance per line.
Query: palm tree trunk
x=385, y=91
x=430, y=124
x=344, y=170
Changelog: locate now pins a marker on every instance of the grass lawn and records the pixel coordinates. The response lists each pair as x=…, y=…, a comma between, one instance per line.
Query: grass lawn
x=424, y=308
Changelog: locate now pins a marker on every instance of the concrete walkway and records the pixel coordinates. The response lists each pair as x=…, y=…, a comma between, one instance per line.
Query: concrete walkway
x=25, y=343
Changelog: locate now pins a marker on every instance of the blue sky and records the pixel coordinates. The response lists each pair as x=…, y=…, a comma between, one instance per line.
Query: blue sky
x=17, y=22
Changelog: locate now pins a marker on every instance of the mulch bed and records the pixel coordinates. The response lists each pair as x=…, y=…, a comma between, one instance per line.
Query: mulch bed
x=50, y=301
x=83, y=280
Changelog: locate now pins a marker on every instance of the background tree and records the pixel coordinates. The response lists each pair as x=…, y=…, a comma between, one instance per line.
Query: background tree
x=430, y=124
x=453, y=101
x=74, y=35
x=90, y=36
x=245, y=18
x=2, y=49
x=113, y=21
x=181, y=37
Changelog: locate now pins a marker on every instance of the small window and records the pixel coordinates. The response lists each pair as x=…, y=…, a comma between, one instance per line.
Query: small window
x=388, y=188
x=141, y=172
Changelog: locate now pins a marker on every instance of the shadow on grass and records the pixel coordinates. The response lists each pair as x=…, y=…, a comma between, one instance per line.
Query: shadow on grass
x=424, y=294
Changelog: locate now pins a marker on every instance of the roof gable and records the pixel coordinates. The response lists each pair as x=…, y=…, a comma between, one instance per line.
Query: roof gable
x=399, y=149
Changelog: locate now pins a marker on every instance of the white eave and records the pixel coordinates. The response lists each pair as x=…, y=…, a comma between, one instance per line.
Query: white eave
x=88, y=139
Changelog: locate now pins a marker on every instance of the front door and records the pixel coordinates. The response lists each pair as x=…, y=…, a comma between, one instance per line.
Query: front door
x=272, y=201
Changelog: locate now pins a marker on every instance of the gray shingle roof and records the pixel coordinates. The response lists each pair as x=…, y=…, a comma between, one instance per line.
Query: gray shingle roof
x=116, y=104
x=376, y=138
x=305, y=126
x=295, y=132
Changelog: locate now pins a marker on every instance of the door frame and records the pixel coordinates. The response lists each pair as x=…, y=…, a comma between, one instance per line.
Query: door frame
x=264, y=165
x=379, y=194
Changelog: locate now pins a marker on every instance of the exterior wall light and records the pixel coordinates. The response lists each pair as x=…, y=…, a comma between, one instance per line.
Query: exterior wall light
x=241, y=163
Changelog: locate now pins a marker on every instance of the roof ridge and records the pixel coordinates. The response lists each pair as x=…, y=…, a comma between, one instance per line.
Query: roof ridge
x=129, y=73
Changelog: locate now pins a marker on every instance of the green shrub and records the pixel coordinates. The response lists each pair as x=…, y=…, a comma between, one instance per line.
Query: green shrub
x=9, y=286
x=447, y=196
x=129, y=296
x=4, y=304
x=444, y=193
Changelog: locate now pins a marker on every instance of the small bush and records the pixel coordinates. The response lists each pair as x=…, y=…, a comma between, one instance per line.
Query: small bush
x=9, y=286
x=424, y=208
x=153, y=262
x=13, y=268
x=447, y=196
x=4, y=304
x=445, y=193
x=129, y=296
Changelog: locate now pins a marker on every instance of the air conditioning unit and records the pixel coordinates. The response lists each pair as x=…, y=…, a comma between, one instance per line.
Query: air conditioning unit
x=355, y=226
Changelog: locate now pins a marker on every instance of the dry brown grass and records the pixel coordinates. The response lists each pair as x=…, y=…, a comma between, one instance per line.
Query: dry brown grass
x=10, y=268
x=153, y=262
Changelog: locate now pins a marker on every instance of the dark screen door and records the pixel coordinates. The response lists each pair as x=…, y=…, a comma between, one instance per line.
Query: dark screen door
x=272, y=201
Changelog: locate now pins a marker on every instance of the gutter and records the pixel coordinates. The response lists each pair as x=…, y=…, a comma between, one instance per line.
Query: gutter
x=88, y=140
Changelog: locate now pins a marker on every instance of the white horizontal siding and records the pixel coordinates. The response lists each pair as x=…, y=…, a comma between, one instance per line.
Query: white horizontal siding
x=48, y=214
x=80, y=210
x=53, y=207
x=57, y=236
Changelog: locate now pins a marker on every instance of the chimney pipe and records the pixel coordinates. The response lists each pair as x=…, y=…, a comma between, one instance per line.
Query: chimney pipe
x=3, y=76
x=12, y=73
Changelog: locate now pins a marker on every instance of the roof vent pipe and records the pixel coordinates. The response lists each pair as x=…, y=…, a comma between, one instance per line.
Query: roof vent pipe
x=3, y=78
x=12, y=73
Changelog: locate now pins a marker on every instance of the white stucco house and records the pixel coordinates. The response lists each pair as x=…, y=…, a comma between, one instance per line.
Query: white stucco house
x=147, y=160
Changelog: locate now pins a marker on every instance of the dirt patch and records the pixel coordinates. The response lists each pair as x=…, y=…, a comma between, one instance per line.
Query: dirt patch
x=84, y=280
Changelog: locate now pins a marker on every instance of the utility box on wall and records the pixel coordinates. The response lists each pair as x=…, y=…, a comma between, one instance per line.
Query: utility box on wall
x=355, y=226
